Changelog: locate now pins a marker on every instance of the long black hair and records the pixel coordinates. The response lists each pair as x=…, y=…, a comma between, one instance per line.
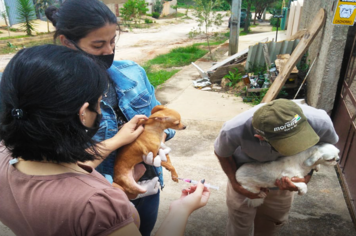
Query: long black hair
x=42, y=90
x=75, y=19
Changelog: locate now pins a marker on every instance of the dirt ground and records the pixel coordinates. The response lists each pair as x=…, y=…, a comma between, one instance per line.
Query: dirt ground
x=141, y=45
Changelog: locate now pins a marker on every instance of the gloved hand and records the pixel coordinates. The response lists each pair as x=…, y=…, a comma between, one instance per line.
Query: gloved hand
x=151, y=185
x=163, y=151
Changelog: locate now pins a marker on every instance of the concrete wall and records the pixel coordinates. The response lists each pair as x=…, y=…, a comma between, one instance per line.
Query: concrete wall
x=329, y=43
x=167, y=7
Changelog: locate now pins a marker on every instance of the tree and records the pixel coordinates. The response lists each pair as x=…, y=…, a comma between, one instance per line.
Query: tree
x=133, y=9
x=26, y=13
x=249, y=4
x=206, y=17
x=41, y=6
x=260, y=6
x=175, y=7
x=5, y=15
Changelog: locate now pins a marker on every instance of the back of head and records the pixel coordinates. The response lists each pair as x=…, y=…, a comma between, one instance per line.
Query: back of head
x=77, y=18
x=42, y=90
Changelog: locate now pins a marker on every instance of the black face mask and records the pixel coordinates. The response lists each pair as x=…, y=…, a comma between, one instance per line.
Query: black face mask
x=96, y=126
x=104, y=60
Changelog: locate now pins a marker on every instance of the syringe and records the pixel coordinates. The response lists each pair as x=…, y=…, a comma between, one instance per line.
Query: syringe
x=195, y=182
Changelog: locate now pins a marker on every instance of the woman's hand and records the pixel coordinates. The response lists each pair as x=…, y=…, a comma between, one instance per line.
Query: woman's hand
x=191, y=199
x=131, y=130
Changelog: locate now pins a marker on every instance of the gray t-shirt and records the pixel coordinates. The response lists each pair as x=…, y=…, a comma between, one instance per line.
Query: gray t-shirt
x=237, y=139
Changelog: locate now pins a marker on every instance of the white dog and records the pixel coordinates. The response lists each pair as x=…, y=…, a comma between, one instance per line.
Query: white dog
x=253, y=176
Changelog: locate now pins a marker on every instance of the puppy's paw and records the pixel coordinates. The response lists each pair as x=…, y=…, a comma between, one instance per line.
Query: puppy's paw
x=302, y=188
x=175, y=178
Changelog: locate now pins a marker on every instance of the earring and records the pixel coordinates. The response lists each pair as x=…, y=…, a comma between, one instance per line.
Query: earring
x=83, y=121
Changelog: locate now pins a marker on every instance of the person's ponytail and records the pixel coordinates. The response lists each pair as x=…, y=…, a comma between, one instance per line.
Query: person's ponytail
x=51, y=14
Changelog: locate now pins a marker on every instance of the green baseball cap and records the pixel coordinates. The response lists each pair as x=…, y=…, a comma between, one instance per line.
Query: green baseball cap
x=285, y=127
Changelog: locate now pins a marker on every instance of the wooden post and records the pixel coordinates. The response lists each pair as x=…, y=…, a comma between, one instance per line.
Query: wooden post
x=313, y=29
x=235, y=27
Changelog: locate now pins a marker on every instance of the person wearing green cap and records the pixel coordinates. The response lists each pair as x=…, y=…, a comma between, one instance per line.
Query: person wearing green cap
x=265, y=133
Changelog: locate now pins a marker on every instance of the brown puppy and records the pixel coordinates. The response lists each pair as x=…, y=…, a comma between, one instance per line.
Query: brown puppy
x=149, y=141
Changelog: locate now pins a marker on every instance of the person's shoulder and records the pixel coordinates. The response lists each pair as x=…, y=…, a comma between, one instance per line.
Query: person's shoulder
x=108, y=208
x=314, y=113
x=123, y=64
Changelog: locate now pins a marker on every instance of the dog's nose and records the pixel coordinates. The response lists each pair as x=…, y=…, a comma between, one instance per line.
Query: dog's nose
x=184, y=127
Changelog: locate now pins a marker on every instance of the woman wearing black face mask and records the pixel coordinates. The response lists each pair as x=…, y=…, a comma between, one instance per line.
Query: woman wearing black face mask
x=50, y=99
x=90, y=26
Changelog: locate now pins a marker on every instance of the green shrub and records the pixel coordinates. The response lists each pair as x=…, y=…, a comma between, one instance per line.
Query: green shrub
x=157, y=7
x=148, y=21
x=234, y=77
x=155, y=15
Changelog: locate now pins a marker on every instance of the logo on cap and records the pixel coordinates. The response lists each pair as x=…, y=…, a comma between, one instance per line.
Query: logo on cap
x=288, y=125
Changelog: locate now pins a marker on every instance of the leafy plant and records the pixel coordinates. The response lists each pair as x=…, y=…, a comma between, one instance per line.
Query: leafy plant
x=157, y=7
x=133, y=10
x=234, y=77
x=26, y=13
x=303, y=65
x=155, y=15
x=256, y=99
x=148, y=21
x=175, y=7
x=206, y=17
x=257, y=69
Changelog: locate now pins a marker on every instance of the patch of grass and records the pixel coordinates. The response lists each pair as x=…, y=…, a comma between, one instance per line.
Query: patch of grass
x=211, y=43
x=178, y=57
x=159, y=77
x=7, y=50
x=173, y=15
x=242, y=33
x=158, y=69
x=274, y=28
x=252, y=26
x=14, y=37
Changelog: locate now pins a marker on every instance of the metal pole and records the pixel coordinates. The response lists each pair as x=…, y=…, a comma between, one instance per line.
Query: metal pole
x=235, y=27
x=276, y=33
x=306, y=77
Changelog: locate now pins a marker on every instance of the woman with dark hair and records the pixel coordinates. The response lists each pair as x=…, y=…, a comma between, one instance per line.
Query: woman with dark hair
x=51, y=96
x=90, y=26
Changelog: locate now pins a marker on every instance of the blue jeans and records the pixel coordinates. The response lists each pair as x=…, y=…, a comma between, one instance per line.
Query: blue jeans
x=147, y=208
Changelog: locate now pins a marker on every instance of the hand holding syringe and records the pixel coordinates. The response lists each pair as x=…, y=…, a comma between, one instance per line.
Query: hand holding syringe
x=195, y=182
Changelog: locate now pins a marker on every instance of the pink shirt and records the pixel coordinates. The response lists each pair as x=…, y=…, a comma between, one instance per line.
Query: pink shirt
x=63, y=204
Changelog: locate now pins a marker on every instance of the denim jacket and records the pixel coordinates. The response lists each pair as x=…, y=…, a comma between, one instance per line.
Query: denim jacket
x=136, y=96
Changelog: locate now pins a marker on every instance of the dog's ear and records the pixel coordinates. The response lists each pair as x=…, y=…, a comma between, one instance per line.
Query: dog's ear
x=313, y=158
x=161, y=119
x=157, y=108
